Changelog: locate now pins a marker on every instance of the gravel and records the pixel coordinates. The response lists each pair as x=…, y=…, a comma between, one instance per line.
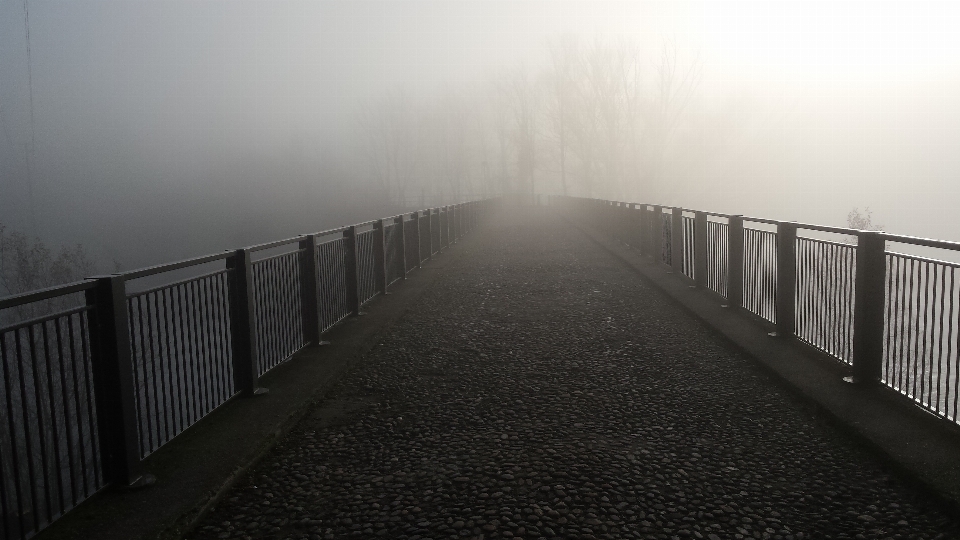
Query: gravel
x=541, y=390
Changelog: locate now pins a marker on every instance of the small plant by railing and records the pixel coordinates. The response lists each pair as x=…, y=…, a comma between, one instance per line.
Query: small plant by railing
x=886, y=317
x=87, y=393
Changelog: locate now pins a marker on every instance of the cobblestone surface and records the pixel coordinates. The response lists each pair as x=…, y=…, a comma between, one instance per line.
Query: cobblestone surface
x=543, y=391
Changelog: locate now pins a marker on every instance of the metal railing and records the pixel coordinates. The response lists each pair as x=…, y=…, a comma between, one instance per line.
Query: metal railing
x=116, y=366
x=885, y=317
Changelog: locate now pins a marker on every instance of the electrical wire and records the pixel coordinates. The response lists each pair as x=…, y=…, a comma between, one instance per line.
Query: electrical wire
x=30, y=146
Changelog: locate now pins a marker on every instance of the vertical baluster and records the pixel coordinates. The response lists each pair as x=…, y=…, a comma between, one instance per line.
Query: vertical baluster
x=892, y=291
x=942, y=295
x=54, y=425
x=65, y=404
x=75, y=379
x=400, y=236
x=352, y=270
x=954, y=323
x=186, y=386
x=86, y=336
x=11, y=425
x=700, y=249
x=202, y=360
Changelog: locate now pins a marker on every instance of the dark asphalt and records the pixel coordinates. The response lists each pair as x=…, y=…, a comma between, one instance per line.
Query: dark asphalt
x=542, y=390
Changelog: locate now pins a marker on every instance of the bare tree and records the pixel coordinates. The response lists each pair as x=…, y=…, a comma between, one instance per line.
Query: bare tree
x=862, y=220
x=564, y=60
x=524, y=107
x=661, y=109
x=27, y=265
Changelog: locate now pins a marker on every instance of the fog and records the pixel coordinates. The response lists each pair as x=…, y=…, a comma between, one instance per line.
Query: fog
x=151, y=131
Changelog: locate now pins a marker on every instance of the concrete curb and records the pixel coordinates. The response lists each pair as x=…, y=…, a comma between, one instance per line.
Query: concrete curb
x=922, y=448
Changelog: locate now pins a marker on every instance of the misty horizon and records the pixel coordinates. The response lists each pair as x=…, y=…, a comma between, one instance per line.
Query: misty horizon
x=154, y=131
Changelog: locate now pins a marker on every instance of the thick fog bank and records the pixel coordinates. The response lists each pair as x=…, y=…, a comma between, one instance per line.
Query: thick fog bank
x=156, y=131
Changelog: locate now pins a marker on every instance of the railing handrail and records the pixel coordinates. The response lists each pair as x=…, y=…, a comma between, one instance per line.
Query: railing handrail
x=38, y=295
x=905, y=239
x=177, y=265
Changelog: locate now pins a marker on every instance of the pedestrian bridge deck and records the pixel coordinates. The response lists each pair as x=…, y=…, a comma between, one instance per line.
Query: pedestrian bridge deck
x=537, y=387
x=541, y=389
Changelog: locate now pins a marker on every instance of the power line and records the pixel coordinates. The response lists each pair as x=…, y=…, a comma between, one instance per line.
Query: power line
x=30, y=146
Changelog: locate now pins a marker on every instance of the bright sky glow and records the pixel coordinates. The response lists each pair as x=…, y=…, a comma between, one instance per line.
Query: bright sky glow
x=814, y=39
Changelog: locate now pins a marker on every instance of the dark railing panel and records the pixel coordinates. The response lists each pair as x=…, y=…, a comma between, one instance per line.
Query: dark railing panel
x=688, y=246
x=760, y=273
x=49, y=449
x=333, y=301
x=412, y=240
x=425, y=236
x=435, y=227
x=921, y=338
x=717, y=257
x=180, y=345
x=666, y=239
x=276, y=286
x=365, y=262
x=824, y=296
x=392, y=239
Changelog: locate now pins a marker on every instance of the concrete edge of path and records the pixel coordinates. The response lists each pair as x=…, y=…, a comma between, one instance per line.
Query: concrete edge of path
x=924, y=449
x=198, y=467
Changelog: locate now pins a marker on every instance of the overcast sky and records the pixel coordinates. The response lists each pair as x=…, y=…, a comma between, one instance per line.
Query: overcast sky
x=863, y=96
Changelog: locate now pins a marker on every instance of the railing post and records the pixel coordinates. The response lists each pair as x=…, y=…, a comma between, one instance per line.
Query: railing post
x=429, y=234
x=353, y=269
x=456, y=222
x=616, y=217
x=700, y=249
x=402, y=247
x=115, y=384
x=676, y=240
x=309, y=303
x=442, y=220
x=449, y=227
x=735, y=261
x=786, y=279
x=656, y=233
x=633, y=222
x=447, y=224
x=246, y=371
x=644, y=230
x=380, y=257
x=623, y=223
x=869, y=301
x=416, y=228
x=611, y=218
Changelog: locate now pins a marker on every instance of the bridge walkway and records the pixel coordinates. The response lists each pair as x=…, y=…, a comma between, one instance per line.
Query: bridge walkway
x=541, y=389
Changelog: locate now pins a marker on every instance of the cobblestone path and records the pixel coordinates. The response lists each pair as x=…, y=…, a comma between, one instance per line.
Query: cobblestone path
x=541, y=390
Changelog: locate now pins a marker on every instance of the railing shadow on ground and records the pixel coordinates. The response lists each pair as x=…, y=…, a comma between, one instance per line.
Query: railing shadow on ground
x=103, y=372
